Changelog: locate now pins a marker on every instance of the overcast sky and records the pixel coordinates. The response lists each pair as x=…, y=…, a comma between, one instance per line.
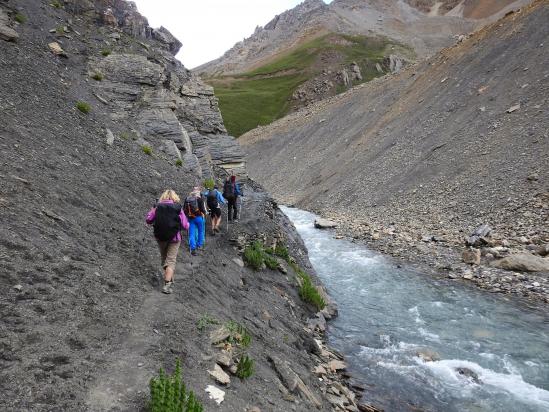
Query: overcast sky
x=208, y=28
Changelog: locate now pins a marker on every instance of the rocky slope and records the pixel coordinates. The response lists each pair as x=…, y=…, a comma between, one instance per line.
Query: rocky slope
x=414, y=162
x=401, y=21
x=83, y=325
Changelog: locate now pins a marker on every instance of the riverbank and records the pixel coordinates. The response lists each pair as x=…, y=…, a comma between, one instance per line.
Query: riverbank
x=440, y=251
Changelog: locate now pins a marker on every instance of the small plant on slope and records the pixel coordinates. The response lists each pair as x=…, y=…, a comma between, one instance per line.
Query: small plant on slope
x=179, y=162
x=245, y=367
x=97, y=76
x=209, y=184
x=253, y=255
x=169, y=394
x=147, y=150
x=83, y=107
x=20, y=18
x=206, y=320
x=239, y=334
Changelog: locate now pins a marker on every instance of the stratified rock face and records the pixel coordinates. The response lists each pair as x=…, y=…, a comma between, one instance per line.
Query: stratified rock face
x=155, y=92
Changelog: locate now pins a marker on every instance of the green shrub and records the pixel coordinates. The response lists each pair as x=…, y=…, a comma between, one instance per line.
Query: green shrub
x=179, y=162
x=83, y=107
x=56, y=4
x=106, y=52
x=97, y=76
x=206, y=320
x=270, y=262
x=209, y=184
x=60, y=30
x=245, y=367
x=239, y=334
x=147, y=150
x=308, y=291
x=253, y=255
x=282, y=251
x=169, y=394
x=20, y=18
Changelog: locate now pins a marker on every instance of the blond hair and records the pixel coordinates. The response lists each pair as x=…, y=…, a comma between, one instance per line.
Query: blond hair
x=170, y=195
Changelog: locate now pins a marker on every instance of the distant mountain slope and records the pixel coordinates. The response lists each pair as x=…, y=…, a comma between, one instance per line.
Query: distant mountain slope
x=454, y=141
x=307, y=53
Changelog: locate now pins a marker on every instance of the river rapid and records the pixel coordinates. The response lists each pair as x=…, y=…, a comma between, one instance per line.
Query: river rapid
x=488, y=354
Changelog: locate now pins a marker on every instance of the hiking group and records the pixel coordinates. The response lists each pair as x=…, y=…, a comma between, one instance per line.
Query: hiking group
x=169, y=218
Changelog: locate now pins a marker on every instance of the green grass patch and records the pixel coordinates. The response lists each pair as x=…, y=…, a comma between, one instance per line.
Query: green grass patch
x=307, y=290
x=147, y=150
x=248, y=103
x=209, y=184
x=245, y=367
x=97, y=76
x=169, y=393
x=56, y=4
x=83, y=107
x=260, y=96
x=106, y=52
x=270, y=262
x=179, y=162
x=20, y=18
x=205, y=321
x=253, y=255
x=282, y=251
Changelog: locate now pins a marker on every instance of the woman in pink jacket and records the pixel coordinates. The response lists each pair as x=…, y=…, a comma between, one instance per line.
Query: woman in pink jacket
x=168, y=220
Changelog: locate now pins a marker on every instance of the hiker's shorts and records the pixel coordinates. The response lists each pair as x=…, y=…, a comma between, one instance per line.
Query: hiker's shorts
x=215, y=212
x=168, y=253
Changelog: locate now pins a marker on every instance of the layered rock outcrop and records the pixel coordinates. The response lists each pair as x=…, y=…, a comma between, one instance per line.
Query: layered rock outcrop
x=147, y=87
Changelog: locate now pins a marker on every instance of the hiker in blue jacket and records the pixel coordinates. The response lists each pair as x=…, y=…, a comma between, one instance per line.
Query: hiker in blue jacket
x=214, y=200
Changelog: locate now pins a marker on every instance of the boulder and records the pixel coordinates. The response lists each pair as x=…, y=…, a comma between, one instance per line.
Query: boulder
x=215, y=393
x=167, y=39
x=321, y=223
x=468, y=373
x=220, y=375
x=335, y=365
x=477, y=237
x=56, y=49
x=110, y=137
x=471, y=256
x=523, y=262
x=6, y=32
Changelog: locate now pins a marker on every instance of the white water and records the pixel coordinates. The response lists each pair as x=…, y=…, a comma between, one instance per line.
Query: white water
x=387, y=315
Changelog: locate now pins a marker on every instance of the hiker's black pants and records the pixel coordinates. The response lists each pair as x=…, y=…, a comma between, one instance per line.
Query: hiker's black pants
x=233, y=205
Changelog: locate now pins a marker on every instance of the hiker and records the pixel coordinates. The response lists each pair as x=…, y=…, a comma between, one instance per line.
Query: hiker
x=195, y=211
x=168, y=220
x=231, y=192
x=214, y=200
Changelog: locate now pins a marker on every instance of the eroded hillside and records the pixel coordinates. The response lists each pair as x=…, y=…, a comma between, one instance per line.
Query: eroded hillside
x=458, y=140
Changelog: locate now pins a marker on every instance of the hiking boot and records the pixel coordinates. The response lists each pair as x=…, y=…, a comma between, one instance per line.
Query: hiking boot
x=168, y=288
x=194, y=252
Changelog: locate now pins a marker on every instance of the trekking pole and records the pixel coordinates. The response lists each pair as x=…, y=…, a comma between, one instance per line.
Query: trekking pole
x=240, y=208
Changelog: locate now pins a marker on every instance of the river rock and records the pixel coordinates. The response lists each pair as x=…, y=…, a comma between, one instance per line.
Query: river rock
x=321, y=223
x=428, y=355
x=335, y=365
x=477, y=238
x=523, y=262
x=471, y=256
x=468, y=373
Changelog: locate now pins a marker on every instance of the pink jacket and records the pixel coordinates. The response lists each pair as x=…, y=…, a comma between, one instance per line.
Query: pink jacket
x=184, y=222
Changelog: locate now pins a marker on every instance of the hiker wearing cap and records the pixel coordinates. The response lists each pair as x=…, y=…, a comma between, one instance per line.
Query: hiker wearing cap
x=214, y=200
x=195, y=211
x=231, y=192
x=168, y=220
